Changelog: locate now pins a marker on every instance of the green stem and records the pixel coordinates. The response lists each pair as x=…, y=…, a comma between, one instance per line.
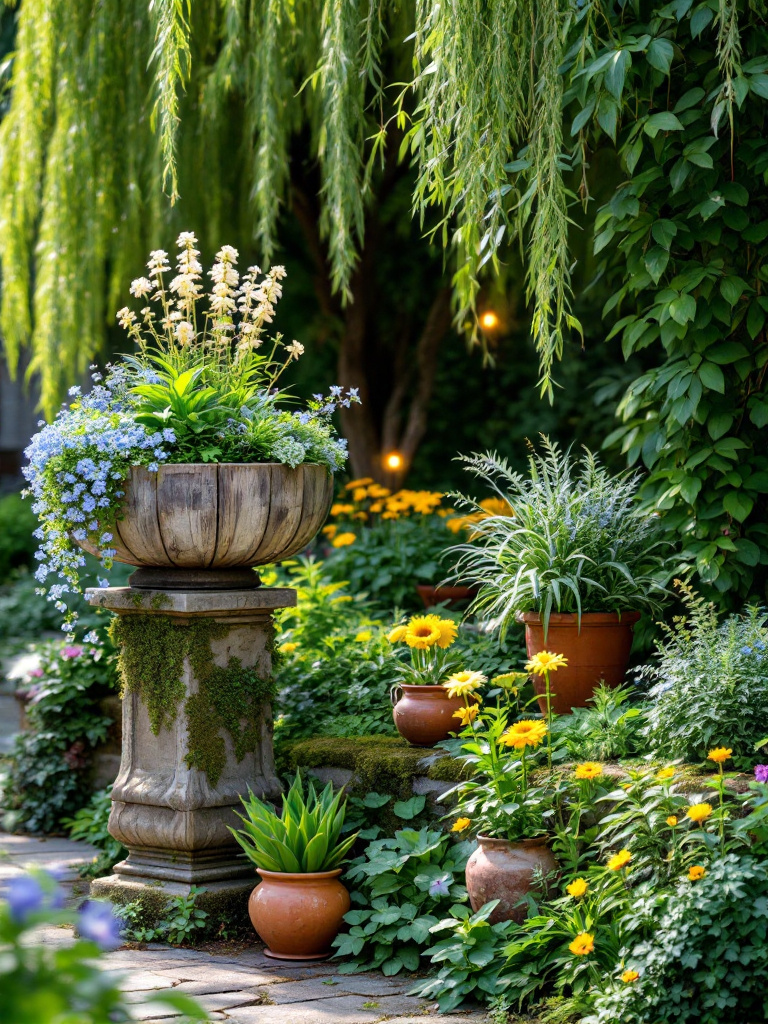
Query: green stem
x=549, y=722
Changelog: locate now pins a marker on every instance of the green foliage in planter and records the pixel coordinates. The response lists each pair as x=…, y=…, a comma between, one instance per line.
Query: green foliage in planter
x=578, y=540
x=402, y=885
x=710, y=683
x=152, y=651
x=471, y=958
x=49, y=774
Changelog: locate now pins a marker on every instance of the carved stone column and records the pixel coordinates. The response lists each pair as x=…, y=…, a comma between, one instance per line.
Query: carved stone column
x=170, y=814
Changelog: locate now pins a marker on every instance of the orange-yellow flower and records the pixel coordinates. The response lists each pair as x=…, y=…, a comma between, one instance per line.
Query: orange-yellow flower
x=545, y=661
x=460, y=825
x=665, y=773
x=466, y=715
x=528, y=733
x=288, y=648
x=397, y=634
x=422, y=632
x=619, y=860
x=672, y=820
x=447, y=628
x=342, y=540
x=362, y=482
x=629, y=976
x=588, y=770
x=696, y=872
x=330, y=531
x=699, y=812
x=341, y=509
x=462, y=683
x=577, y=887
x=719, y=754
x=583, y=944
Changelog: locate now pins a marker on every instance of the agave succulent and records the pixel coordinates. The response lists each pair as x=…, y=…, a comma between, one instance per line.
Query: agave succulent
x=304, y=837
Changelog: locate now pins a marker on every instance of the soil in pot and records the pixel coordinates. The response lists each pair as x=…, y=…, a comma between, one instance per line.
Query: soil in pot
x=598, y=651
x=505, y=871
x=424, y=714
x=298, y=915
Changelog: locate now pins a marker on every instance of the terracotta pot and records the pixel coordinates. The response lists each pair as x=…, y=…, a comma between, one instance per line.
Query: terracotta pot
x=599, y=650
x=298, y=915
x=504, y=871
x=431, y=595
x=226, y=516
x=424, y=714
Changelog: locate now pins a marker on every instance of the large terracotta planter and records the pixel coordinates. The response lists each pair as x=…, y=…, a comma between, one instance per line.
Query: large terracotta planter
x=298, y=915
x=598, y=651
x=219, y=517
x=505, y=871
x=424, y=714
x=432, y=595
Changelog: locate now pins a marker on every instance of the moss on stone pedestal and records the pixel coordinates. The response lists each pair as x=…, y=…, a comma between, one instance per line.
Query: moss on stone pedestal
x=152, y=651
x=386, y=764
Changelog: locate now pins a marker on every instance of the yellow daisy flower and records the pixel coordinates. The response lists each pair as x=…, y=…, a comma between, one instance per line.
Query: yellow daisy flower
x=619, y=860
x=629, y=976
x=665, y=773
x=528, y=733
x=583, y=944
x=699, y=812
x=545, y=661
x=361, y=638
x=466, y=715
x=672, y=820
x=343, y=540
x=397, y=634
x=588, y=770
x=447, y=627
x=362, y=482
x=696, y=872
x=330, y=531
x=422, y=632
x=577, y=887
x=462, y=683
x=719, y=754
x=341, y=509
x=460, y=825
x=288, y=648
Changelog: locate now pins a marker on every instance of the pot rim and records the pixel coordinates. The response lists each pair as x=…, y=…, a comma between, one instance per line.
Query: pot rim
x=531, y=843
x=298, y=876
x=587, y=618
x=244, y=465
x=432, y=688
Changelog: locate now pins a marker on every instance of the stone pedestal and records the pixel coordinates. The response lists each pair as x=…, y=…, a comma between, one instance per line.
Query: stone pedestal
x=173, y=818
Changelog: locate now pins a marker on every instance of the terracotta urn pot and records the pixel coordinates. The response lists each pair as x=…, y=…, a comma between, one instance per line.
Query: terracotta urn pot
x=432, y=595
x=599, y=650
x=207, y=522
x=298, y=915
x=505, y=871
x=424, y=714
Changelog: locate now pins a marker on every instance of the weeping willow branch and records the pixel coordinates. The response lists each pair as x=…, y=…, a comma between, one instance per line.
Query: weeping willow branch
x=172, y=58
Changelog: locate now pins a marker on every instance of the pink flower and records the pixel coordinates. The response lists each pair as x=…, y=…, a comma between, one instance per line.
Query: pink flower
x=36, y=673
x=72, y=652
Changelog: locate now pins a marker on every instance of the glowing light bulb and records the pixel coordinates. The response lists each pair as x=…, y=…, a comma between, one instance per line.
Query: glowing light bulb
x=489, y=321
x=393, y=461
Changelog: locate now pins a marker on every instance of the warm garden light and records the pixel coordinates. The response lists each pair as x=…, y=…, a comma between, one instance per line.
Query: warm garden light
x=489, y=321
x=393, y=461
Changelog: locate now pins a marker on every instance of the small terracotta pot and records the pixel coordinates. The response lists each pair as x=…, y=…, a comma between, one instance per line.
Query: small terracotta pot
x=298, y=915
x=424, y=714
x=431, y=595
x=504, y=871
x=599, y=650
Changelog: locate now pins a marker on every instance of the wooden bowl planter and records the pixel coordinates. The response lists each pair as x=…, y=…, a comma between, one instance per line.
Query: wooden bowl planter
x=599, y=650
x=505, y=871
x=424, y=714
x=218, y=519
x=298, y=915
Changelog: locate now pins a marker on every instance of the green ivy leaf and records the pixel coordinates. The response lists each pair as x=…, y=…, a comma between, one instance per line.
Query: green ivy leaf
x=738, y=505
x=664, y=121
x=660, y=54
x=711, y=377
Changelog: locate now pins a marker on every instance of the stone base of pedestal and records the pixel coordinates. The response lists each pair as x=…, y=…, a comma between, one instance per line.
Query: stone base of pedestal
x=226, y=903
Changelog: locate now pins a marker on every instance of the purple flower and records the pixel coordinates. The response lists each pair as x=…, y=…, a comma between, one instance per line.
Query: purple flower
x=98, y=923
x=761, y=772
x=440, y=887
x=72, y=652
x=25, y=896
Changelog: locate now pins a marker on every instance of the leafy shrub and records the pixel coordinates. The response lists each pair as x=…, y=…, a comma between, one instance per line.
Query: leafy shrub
x=606, y=731
x=181, y=924
x=471, y=958
x=710, y=683
x=17, y=543
x=90, y=825
x=578, y=540
x=403, y=885
x=705, y=957
x=49, y=776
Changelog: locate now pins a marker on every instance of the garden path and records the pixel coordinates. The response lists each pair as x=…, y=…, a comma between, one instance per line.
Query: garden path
x=239, y=987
